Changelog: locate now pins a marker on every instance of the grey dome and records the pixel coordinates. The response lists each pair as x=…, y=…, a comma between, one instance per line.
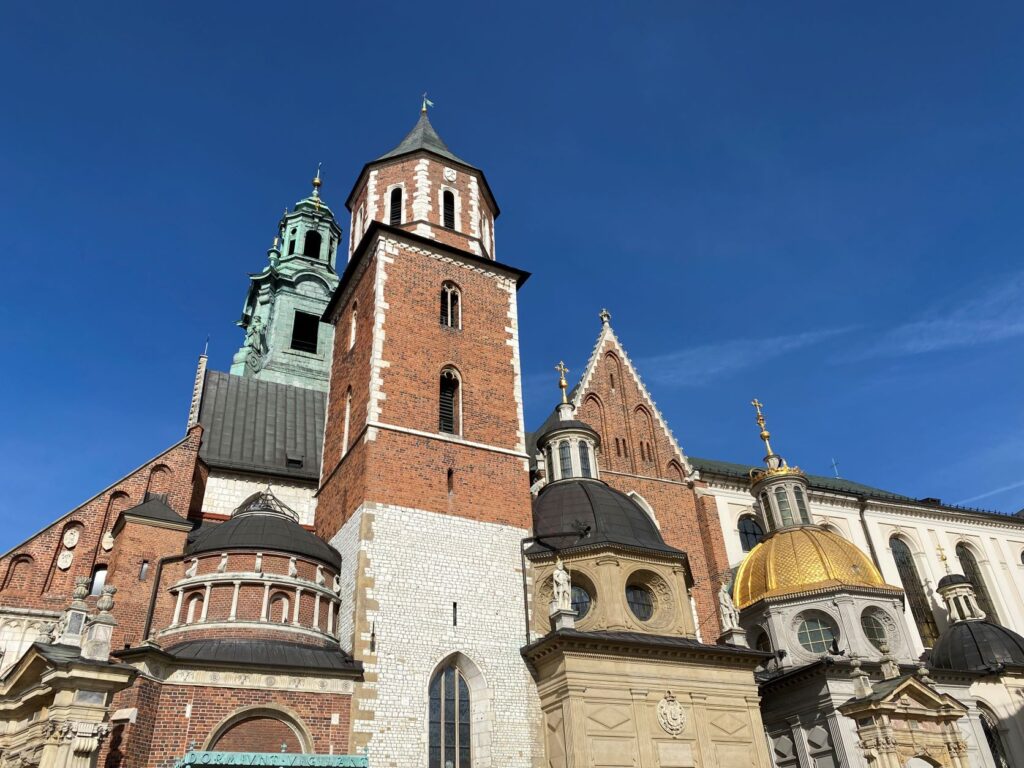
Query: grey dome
x=569, y=425
x=262, y=523
x=976, y=646
x=611, y=517
x=952, y=578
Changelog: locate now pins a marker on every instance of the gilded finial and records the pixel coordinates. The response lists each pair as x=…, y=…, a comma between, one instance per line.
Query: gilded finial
x=942, y=557
x=316, y=186
x=426, y=103
x=765, y=434
x=606, y=317
x=562, y=383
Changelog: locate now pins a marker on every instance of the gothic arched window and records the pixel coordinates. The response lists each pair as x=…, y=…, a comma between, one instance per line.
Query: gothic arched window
x=990, y=727
x=311, y=245
x=451, y=305
x=449, y=720
x=585, y=460
x=916, y=597
x=750, y=533
x=448, y=203
x=971, y=569
x=564, y=459
x=395, y=214
x=450, y=403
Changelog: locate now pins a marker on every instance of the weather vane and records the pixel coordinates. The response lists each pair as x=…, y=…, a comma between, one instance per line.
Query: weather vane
x=426, y=103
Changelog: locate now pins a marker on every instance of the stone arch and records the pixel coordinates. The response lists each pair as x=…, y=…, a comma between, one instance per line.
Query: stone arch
x=159, y=483
x=645, y=506
x=244, y=725
x=480, y=704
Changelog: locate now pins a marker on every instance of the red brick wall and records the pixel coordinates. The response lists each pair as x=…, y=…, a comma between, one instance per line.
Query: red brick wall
x=258, y=734
x=162, y=733
x=624, y=419
x=29, y=577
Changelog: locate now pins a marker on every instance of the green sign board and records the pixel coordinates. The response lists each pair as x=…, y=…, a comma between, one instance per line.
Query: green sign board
x=193, y=759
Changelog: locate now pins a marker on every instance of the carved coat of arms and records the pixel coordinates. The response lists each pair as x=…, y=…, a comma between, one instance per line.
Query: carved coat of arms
x=671, y=715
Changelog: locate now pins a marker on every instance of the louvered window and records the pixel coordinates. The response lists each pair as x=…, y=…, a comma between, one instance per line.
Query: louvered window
x=585, y=460
x=448, y=200
x=564, y=459
x=448, y=420
x=969, y=565
x=916, y=598
x=451, y=307
x=395, y=217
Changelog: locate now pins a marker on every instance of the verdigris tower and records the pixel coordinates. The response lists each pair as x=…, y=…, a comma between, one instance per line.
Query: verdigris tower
x=285, y=341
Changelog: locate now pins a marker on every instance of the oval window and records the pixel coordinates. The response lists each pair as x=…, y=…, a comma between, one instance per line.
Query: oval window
x=874, y=630
x=580, y=601
x=641, y=603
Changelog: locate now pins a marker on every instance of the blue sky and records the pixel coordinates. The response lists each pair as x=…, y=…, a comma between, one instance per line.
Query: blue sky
x=817, y=204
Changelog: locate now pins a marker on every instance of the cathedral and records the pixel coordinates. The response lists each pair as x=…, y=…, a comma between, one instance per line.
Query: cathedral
x=357, y=554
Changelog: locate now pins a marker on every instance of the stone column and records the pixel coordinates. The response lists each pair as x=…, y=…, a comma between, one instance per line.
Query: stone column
x=298, y=600
x=266, y=601
x=316, y=611
x=234, y=602
x=206, y=602
x=177, y=609
x=705, y=749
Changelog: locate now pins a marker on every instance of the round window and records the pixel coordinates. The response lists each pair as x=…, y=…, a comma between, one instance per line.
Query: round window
x=816, y=634
x=580, y=601
x=640, y=601
x=874, y=630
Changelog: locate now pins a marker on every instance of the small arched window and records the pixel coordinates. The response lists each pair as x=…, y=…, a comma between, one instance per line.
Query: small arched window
x=279, y=608
x=195, y=609
x=450, y=403
x=353, y=318
x=451, y=306
x=448, y=203
x=801, y=504
x=969, y=565
x=585, y=460
x=291, y=241
x=449, y=725
x=785, y=512
x=348, y=419
x=395, y=213
x=750, y=533
x=311, y=246
x=99, y=580
x=916, y=598
x=564, y=459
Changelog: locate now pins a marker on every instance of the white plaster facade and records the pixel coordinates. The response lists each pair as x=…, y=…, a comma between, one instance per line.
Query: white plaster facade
x=438, y=587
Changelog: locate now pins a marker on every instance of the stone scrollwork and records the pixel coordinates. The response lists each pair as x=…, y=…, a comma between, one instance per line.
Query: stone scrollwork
x=671, y=715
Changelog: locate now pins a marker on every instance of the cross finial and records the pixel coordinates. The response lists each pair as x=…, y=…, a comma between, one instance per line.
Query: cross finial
x=606, y=317
x=426, y=103
x=316, y=186
x=562, y=383
x=765, y=434
x=942, y=557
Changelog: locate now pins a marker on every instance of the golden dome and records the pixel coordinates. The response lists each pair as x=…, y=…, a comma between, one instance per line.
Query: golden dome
x=804, y=559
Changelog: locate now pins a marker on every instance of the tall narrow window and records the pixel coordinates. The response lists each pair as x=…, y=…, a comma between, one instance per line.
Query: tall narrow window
x=564, y=459
x=990, y=727
x=395, y=214
x=969, y=565
x=305, y=330
x=99, y=579
x=448, y=202
x=750, y=533
x=449, y=726
x=450, y=400
x=801, y=504
x=618, y=447
x=551, y=463
x=352, y=326
x=585, y=460
x=311, y=246
x=291, y=242
x=348, y=419
x=643, y=453
x=451, y=306
x=916, y=597
x=782, y=499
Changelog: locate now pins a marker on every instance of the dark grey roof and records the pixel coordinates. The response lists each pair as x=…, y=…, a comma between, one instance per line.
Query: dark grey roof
x=612, y=517
x=157, y=510
x=423, y=136
x=952, y=578
x=730, y=469
x=257, y=426
x=976, y=646
x=559, y=426
x=265, y=653
x=264, y=532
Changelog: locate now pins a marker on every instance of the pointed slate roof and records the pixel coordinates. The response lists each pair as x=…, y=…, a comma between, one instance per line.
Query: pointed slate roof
x=423, y=136
x=155, y=508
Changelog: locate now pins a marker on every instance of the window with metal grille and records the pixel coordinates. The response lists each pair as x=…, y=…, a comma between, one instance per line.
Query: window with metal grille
x=448, y=203
x=750, y=533
x=395, y=214
x=990, y=727
x=564, y=459
x=451, y=307
x=311, y=245
x=305, y=329
x=969, y=565
x=916, y=597
x=448, y=420
x=816, y=634
x=449, y=720
x=585, y=460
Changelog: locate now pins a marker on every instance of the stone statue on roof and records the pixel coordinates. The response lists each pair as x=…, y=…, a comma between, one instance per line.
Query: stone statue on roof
x=727, y=610
x=562, y=584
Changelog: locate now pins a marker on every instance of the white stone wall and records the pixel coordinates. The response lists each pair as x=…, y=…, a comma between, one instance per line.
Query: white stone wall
x=998, y=544
x=19, y=628
x=420, y=564
x=225, y=491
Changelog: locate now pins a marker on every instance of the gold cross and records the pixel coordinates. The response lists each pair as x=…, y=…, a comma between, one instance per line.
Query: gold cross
x=562, y=383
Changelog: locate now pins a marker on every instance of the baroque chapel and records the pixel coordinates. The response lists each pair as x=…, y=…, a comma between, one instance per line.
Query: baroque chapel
x=358, y=555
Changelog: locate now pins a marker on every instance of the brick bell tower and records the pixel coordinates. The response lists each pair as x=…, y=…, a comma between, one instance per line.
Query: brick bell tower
x=425, y=480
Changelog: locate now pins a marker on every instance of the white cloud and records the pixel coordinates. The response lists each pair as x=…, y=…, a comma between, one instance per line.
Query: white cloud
x=702, y=364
